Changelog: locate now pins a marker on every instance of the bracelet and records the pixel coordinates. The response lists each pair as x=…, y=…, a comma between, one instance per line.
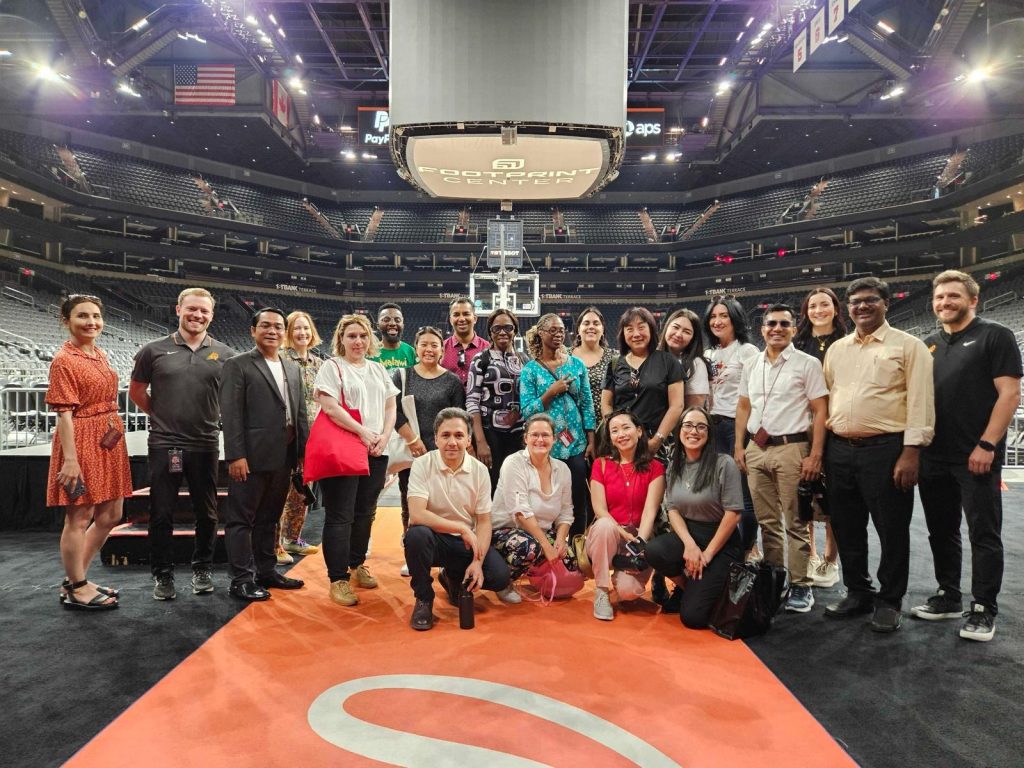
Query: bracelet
x=985, y=445
x=412, y=442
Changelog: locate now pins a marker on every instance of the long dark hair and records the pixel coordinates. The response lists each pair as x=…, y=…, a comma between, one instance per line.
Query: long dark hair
x=642, y=458
x=707, y=464
x=693, y=354
x=804, y=329
x=740, y=327
x=577, y=340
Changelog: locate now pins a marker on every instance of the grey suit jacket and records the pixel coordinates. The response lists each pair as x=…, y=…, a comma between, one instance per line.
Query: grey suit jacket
x=253, y=413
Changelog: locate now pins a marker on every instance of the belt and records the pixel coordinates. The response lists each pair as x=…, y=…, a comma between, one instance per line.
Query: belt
x=885, y=437
x=796, y=437
x=717, y=419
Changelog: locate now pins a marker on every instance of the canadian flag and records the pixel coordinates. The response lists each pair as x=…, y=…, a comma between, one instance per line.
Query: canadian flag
x=281, y=106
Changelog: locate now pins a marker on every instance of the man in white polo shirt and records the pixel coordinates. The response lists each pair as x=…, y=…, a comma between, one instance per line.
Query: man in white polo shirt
x=450, y=520
x=780, y=440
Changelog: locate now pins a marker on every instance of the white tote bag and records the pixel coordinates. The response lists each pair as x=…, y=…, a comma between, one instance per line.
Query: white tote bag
x=399, y=455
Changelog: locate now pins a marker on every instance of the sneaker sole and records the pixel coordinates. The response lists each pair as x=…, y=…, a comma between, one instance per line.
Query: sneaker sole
x=202, y=590
x=917, y=613
x=603, y=618
x=793, y=609
x=169, y=597
x=977, y=636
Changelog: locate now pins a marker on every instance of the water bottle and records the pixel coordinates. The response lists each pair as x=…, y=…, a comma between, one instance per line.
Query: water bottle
x=466, y=620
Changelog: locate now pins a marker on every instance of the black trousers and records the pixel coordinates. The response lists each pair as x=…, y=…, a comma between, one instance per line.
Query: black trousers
x=946, y=489
x=425, y=548
x=725, y=442
x=350, y=506
x=860, y=485
x=250, y=523
x=502, y=445
x=665, y=555
x=580, y=473
x=199, y=468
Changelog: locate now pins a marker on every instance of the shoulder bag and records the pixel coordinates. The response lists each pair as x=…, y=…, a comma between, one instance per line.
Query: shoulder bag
x=331, y=450
x=399, y=455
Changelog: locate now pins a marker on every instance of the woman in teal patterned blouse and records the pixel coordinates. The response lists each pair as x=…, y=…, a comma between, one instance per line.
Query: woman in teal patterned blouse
x=557, y=383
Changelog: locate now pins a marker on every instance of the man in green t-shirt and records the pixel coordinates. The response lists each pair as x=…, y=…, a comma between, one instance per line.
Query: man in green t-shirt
x=394, y=352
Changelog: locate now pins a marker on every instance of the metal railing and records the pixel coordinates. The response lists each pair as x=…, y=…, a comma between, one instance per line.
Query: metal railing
x=26, y=420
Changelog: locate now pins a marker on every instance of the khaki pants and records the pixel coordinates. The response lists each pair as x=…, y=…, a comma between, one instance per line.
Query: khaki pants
x=773, y=474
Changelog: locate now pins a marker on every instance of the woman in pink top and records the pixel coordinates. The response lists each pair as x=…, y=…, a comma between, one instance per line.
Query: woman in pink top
x=625, y=490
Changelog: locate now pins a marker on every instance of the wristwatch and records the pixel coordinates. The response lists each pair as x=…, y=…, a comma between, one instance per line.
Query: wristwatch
x=660, y=436
x=985, y=445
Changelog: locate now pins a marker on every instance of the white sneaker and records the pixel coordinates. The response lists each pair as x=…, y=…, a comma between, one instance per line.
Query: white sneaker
x=826, y=574
x=404, y=571
x=812, y=565
x=603, y=606
x=509, y=595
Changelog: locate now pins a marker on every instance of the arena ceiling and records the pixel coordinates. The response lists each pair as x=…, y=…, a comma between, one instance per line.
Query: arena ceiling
x=721, y=69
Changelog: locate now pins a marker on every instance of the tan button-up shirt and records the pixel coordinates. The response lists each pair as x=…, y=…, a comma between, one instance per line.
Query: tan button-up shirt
x=454, y=494
x=881, y=383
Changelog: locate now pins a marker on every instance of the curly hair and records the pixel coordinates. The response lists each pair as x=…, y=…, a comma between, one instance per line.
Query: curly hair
x=532, y=336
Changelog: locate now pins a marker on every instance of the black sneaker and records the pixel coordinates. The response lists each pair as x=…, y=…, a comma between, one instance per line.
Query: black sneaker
x=979, y=624
x=202, y=581
x=939, y=607
x=163, y=589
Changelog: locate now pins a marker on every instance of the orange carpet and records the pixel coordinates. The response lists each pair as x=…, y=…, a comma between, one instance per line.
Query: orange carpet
x=298, y=679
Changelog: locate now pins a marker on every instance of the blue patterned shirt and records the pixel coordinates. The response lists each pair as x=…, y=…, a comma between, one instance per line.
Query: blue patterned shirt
x=572, y=410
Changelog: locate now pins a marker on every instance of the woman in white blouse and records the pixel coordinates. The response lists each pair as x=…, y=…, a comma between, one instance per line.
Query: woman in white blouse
x=532, y=508
x=729, y=349
x=350, y=503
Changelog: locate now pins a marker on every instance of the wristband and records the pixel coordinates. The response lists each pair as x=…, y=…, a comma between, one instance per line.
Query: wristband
x=985, y=445
x=412, y=442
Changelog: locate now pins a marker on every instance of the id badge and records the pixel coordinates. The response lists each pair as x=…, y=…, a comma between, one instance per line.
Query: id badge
x=174, y=461
x=760, y=438
x=565, y=438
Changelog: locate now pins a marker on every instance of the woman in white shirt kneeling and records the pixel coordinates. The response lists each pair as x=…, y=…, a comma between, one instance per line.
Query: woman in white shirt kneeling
x=532, y=508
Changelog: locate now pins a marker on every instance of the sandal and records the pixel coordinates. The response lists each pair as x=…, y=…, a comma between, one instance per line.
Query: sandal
x=108, y=591
x=100, y=602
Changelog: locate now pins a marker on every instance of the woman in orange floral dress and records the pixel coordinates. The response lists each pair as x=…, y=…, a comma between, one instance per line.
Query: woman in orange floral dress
x=89, y=472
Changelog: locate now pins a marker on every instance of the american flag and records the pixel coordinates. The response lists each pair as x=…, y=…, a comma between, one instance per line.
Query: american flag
x=204, y=84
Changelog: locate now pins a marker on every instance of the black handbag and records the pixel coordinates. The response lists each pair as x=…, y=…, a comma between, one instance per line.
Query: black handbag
x=748, y=603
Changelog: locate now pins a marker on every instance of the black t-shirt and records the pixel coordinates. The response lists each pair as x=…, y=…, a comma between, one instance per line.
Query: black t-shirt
x=965, y=363
x=644, y=392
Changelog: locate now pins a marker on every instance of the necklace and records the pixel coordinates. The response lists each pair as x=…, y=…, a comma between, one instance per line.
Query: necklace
x=628, y=476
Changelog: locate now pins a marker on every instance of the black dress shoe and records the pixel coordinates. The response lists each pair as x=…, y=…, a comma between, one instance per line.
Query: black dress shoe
x=422, y=615
x=280, y=581
x=248, y=591
x=851, y=605
x=886, y=618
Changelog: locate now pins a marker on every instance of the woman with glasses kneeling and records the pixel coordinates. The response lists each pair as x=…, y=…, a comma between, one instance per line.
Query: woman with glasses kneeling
x=704, y=499
x=625, y=492
x=532, y=508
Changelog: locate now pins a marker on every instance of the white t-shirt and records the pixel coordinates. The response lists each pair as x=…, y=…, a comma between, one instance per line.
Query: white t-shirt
x=698, y=383
x=367, y=388
x=277, y=371
x=519, y=492
x=726, y=371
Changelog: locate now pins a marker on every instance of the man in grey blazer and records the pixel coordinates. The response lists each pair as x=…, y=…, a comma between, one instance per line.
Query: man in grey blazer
x=263, y=417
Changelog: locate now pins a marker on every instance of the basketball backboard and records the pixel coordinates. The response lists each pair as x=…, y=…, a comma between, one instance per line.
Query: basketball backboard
x=519, y=292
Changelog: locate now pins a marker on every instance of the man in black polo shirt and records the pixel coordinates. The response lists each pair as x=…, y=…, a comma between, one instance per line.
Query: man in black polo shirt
x=977, y=369
x=182, y=373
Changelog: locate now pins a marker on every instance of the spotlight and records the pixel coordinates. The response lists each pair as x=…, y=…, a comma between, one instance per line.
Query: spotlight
x=273, y=20
x=316, y=119
x=298, y=58
x=979, y=74
x=295, y=82
x=140, y=25
x=251, y=20
x=885, y=27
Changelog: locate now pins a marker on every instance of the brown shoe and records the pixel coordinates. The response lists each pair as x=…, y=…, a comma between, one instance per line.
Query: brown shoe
x=342, y=594
x=422, y=615
x=363, y=578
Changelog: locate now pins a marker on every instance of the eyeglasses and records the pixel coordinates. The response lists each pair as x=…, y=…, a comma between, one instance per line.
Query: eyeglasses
x=778, y=323
x=554, y=331
x=689, y=426
x=869, y=300
x=503, y=328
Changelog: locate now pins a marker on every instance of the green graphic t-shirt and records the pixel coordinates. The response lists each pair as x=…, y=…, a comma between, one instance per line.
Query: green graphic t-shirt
x=404, y=356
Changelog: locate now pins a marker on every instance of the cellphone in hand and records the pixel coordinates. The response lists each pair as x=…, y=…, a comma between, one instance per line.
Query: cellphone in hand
x=76, y=489
x=636, y=547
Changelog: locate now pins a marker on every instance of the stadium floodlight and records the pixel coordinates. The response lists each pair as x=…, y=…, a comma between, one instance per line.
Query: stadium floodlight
x=127, y=90
x=273, y=19
x=45, y=72
x=348, y=154
x=316, y=119
x=5, y=53
x=140, y=25
x=749, y=22
x=295, y=82
x=251, y=20
x=298, y=58
x=766, y=26
x=704, y=121
x=649, y=158
x=885, y=27
x=978, y=74
x=723, y=61
x=897, y=91
x=281, y=32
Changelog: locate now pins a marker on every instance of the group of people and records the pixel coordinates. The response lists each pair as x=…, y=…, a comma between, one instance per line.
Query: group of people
x=650, y=455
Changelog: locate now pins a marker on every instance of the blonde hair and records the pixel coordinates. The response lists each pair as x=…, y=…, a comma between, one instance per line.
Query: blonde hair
x=201, y=292
x=956, y=276
x=373, y=345
x=292, y=317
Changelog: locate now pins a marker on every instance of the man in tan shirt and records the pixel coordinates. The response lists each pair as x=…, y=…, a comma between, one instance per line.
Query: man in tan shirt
x=881, y=414
x=450, y=520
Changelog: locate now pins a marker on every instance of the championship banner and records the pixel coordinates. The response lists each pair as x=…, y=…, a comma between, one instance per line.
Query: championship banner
x=281, y=105
x=817, y=30
x=800, y=49
x=836, y=14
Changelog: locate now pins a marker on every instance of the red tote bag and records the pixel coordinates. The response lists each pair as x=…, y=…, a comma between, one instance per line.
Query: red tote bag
x=331, y=450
